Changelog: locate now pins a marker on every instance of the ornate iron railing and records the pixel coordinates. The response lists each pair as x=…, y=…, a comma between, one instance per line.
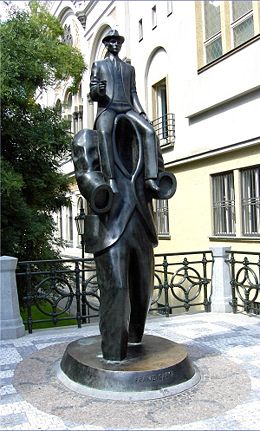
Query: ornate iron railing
x=70, y=289
x=245, y=281
x=165, y=129
x=59, y=289
x=182, y=280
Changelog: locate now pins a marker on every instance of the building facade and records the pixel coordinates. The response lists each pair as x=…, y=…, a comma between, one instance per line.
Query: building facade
x=198, y=77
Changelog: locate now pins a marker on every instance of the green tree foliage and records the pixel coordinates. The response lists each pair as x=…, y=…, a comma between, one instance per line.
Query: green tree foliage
x=34, y=139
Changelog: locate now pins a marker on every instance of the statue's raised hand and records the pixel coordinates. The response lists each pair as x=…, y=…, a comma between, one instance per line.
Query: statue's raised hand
x=102, y=87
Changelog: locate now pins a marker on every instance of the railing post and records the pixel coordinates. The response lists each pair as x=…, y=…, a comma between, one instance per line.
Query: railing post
x=78, y=294
x=166, y=285
x=221, y=287
x=10, y=322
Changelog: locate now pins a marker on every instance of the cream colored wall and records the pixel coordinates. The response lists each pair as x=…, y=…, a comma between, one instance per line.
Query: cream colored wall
x=190, y=208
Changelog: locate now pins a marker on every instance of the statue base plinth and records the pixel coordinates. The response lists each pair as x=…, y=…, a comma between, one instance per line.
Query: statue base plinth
x=155, y=368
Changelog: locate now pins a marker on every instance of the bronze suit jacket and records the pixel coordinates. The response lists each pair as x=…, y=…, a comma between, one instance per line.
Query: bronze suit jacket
x=103, y=70
x=103, y=230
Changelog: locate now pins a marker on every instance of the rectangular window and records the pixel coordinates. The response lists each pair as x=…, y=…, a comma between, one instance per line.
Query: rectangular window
x=60, y=224
x=250, y=201
x=154, y=17
x=160, y=93
x=69, y=224
x=162, y=217
x=243, y=24
x=212, y=30
x=163, y=122
x=223, y=204
x=169, y=7
x=140, y=29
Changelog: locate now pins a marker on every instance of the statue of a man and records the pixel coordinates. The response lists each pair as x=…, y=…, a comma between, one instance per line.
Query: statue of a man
x=112, y=85
x=119, y=169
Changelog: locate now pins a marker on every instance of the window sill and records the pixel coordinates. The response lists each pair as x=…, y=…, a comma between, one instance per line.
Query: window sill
x=167, y=146
x=234, y=238
x=164, y=236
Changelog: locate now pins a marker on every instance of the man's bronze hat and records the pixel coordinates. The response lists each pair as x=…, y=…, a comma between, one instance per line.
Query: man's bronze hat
x=113, y=34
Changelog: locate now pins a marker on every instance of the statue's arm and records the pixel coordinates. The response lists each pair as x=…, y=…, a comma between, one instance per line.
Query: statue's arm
x=160, y=157
x=97, y=86
x=135, y=100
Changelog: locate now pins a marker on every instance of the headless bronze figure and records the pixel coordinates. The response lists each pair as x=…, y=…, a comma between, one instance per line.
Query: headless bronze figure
x=119, y=170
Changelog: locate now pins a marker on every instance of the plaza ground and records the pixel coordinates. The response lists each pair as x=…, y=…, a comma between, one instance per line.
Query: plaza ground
x=224, y=347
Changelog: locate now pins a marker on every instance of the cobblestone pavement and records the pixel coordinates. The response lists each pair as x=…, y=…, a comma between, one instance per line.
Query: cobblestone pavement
x=225, y=347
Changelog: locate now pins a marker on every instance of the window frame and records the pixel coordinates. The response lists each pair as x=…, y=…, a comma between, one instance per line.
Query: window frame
x=211, y=39
x=238, y=21
x=154, y=17
x=162, y=218
x=224, y=209
x=247, y=202
x=169, y=7
x=140, y=30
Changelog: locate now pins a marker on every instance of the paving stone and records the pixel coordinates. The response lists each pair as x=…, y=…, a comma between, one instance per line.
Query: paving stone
x=9, y=355
x=12, y=420
x=214, y=341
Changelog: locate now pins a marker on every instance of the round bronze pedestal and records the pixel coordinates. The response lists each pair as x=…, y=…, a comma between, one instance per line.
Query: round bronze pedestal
x=154, y=364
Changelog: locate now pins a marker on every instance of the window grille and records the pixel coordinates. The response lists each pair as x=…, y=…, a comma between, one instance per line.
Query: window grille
x=162, y=217
x=243, y=25
x=223, y=204
x=250, y=201
x=212, y=30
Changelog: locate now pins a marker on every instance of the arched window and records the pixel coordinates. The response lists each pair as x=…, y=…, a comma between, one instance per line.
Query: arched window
x=74, y=111
x=69, y=225
x=68, y=110
x=158, y=97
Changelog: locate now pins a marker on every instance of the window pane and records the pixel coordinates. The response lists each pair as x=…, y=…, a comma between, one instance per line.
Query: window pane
x=250, y=190
x=223, y=204
x=243, y=31
x=213, y=50
x=240, y=8
x=211, y=18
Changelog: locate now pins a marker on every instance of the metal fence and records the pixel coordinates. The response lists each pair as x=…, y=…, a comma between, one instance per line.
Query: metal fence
x=245, y=281
x=66, y=291
x=182, y=281
x=58, y=290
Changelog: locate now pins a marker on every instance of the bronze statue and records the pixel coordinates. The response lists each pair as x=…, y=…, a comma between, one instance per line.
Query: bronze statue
x=119, y=170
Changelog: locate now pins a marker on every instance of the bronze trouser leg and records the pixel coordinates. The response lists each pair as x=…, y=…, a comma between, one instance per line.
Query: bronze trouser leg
x=125, y=278
x=104, y=125
x=149, y=143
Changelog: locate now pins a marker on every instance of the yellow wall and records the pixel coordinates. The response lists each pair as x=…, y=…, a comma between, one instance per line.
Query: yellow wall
x=190, y=208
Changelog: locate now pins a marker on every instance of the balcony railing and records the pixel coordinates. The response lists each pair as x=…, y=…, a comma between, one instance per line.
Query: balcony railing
x=165, y=129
